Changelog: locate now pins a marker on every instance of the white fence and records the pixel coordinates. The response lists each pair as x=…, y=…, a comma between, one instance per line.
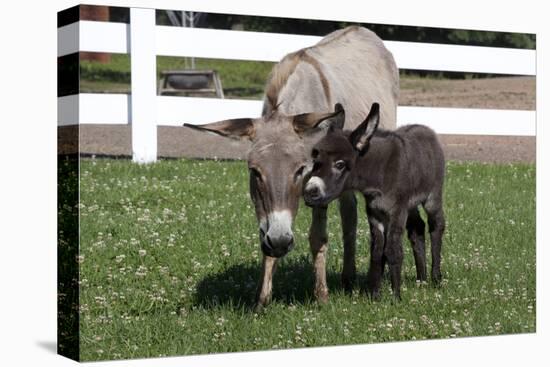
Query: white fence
x=144, y=110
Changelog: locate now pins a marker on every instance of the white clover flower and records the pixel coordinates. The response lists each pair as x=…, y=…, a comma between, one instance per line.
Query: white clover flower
x=119, y=258
x=141, y=271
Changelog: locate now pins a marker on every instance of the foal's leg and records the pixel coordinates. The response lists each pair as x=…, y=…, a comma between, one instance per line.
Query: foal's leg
x=263, y=295
x=348, y=215
x=318, y=238
x=394, y=250
x=416, y=232
x=436, y=223
x=376, y=267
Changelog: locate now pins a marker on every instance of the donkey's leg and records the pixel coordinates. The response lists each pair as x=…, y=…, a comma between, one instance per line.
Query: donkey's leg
x=416, y=229
x=436, y=224
x=348, y=215
x=263, y=295
x=376, y=267
x=394, y=250
x=318, y=242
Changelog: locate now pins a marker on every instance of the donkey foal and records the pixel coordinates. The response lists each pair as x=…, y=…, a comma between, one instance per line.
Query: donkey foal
x=396, y=171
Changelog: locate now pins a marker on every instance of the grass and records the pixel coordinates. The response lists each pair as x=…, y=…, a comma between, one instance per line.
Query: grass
x=170, y=259
x=240, y=79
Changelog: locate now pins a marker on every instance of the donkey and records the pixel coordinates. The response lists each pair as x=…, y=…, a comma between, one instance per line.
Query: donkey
x=351, y=66
x=396, y=171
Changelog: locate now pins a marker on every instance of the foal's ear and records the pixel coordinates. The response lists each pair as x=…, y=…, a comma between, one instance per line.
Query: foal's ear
x=235, y=128
x=361, y=136
x=337, y=122
x=307, y=121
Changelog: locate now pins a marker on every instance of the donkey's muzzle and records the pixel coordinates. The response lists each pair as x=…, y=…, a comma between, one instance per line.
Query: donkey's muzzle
x=277, y=247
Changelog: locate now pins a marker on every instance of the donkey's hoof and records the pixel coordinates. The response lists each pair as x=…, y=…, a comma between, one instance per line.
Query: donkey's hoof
x=322, y=296
x=261, y=303
x=258, y=308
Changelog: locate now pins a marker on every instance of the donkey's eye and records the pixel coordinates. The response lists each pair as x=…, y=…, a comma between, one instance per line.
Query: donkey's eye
x=299, y=173
x=340, y=165
x=314, y=153
x=256, y=174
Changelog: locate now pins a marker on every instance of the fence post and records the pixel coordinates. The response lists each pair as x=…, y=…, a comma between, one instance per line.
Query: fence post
x=143, y=108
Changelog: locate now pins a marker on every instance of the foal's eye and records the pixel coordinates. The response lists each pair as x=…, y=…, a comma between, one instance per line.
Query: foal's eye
x=314, y=153
x=340, y=165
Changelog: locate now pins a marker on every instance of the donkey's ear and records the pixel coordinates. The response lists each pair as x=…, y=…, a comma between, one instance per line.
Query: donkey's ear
x=234, y=128
x=307, y=121
x=361, y=136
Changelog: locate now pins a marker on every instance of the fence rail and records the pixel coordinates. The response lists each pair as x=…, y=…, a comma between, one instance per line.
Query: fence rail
x=144, y=40
x=257, y=46
x=173, y=111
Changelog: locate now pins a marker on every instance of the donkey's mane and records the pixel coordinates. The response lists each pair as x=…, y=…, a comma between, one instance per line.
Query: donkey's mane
x=282, y=71
x=279, y=75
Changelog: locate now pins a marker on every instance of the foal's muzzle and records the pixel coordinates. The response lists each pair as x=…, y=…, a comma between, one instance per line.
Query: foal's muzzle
x=315, y=200
x=314, y=192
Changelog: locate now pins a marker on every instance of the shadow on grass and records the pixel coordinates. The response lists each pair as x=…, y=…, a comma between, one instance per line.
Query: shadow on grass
x=236, y=286
x=292, y=284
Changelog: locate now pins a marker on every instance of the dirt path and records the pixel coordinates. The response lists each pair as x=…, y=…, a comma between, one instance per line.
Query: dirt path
x=175, y=142
x=509, y=93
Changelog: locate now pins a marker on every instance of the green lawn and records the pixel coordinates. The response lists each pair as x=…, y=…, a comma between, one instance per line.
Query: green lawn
x=242, y=79
x=170, y=260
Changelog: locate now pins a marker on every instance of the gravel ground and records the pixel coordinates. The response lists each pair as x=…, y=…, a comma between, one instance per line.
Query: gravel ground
x=501, y=93
x=514, y=93
x=174, y=142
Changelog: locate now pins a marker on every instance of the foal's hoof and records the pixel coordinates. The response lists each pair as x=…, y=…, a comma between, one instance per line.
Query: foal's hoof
x=421, y=278
x=347, y=284
x=396, y=298
x=436, y=279
x=374, y=295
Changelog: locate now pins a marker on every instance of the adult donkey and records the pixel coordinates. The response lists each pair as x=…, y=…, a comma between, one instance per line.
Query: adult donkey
x=350, y=66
